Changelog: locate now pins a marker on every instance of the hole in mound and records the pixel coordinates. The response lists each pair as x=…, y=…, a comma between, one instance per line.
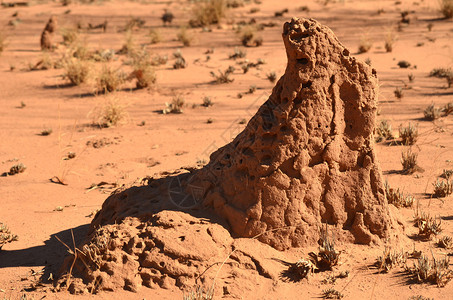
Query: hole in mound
x=345, y=52
x=306, y=85
x=297, y=37
x=284, y=128
x=297, y=100
x=266, y=160
x=306, y=25
x=302, y=61
x=332, y=79
x=247, y=151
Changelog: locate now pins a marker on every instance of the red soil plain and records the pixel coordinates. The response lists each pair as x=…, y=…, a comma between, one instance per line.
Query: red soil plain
x=152, y=215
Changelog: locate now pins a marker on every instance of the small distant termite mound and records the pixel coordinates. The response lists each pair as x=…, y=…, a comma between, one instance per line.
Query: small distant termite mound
x=46, y=36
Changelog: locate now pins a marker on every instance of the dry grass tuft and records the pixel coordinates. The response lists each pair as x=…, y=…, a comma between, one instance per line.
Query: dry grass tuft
x=223, y=77
x=154, y=36
x=331, y=293
x=398, y=198
x=443, y=188
x=112, y=113
x=435, y=271
x=446, y=8
x=446, y=73
x=432, y=113
x=109, y=79
x=175, y=107
x=248, y=36
x=390, y=259
x=327, y=256
x=208, y=12
x=76, y=71
x=185, y=37
x=199, y=294
x=409, y=161
x=365, y=44
x=2, y=42
x=16, y=169
x=6, y=236
x=428, y=226
x=408, y=135
x=383, y=132
x=445, y=242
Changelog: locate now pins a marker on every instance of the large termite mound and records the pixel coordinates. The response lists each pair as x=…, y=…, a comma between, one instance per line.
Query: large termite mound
x=307, y=155
x=305, y=159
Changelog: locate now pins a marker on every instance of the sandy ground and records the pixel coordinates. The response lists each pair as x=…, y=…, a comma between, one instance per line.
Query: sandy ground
x=130, y=151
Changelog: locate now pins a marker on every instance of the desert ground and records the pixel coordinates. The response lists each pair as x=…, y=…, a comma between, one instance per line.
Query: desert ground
x=79, y=143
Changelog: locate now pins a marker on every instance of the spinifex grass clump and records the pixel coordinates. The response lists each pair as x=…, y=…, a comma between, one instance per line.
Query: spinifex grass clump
x=327, y=256
x=16, y=169
x=428, y=226
x=390, y=259
x=331, y=293
x=248, y=36
x=6, y=236
x=199, y=293
x=383, y=131
x=435, y=271
x=409, y=161
x=109, y=79
x=445, y=242
x=208, y=12
x=408, y=135
x=432, y=113
x=223, y=77
x=398, y=198
x=175, y=107
x=443, y=188
x=76, y=71
x=112, y=113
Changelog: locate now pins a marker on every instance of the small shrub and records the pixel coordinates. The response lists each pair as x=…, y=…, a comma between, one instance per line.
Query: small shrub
x=390, y=259
x=199, y=294
x=409, y=161
x=207, y=102
x=70, y=36
x=432, y=113
x=2, y=42
x=443, y=188
x=46, y=132
x=223, y=77
x=448, y=109
x=331, y=293
x=435, y=271
x=272, y=76
x=185, y=37
x=404, y=64
x=249, y=37
x=238, y=53
x=389, y=40
x=411, y=77
x=445, y=242
x=408, y=135
x=208, y=12
x=365, y=44
x=398, y=92
x=446, y=174
x=6, y=236
x=76, y=71
x=383, y=131
x=154, y=36
x=327, y=256
x=175, y=107
x=16, y=169
x=446, y=8
x=428, y=226
x=113, y=113
x=109, y=80
x=398, y=198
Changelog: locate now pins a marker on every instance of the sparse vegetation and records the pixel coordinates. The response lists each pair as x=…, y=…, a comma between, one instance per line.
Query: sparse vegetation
x=6, y=236
x=411, y=77
x=76, y=71
x=248, y=36
x=223, y=77
x=408, y=135
x=432, y=113
x=109, y=79
x=70, y=36
x=207, y=102
x=383, y=131
x=446, y=73
x=404, y=64
x=327, y=256
x=238, y=53
x=199, y=294
x=16, y=169
x=409, y=161
x=111, y=114
x=185, y=37
x=445, y=242
x=46, y=132
x=390, y=38
x=154, y=36
x=365, y=44
x=446, y=8
x=331, y=293
x=272, y=76
x=448, y=109
x=397, y=197
x=398, y=92
x=443, y=188
x=390, y=259
x=2, y=42
x=208, y=12
x=175, y=107
x=435, y=271
x=428, y=226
